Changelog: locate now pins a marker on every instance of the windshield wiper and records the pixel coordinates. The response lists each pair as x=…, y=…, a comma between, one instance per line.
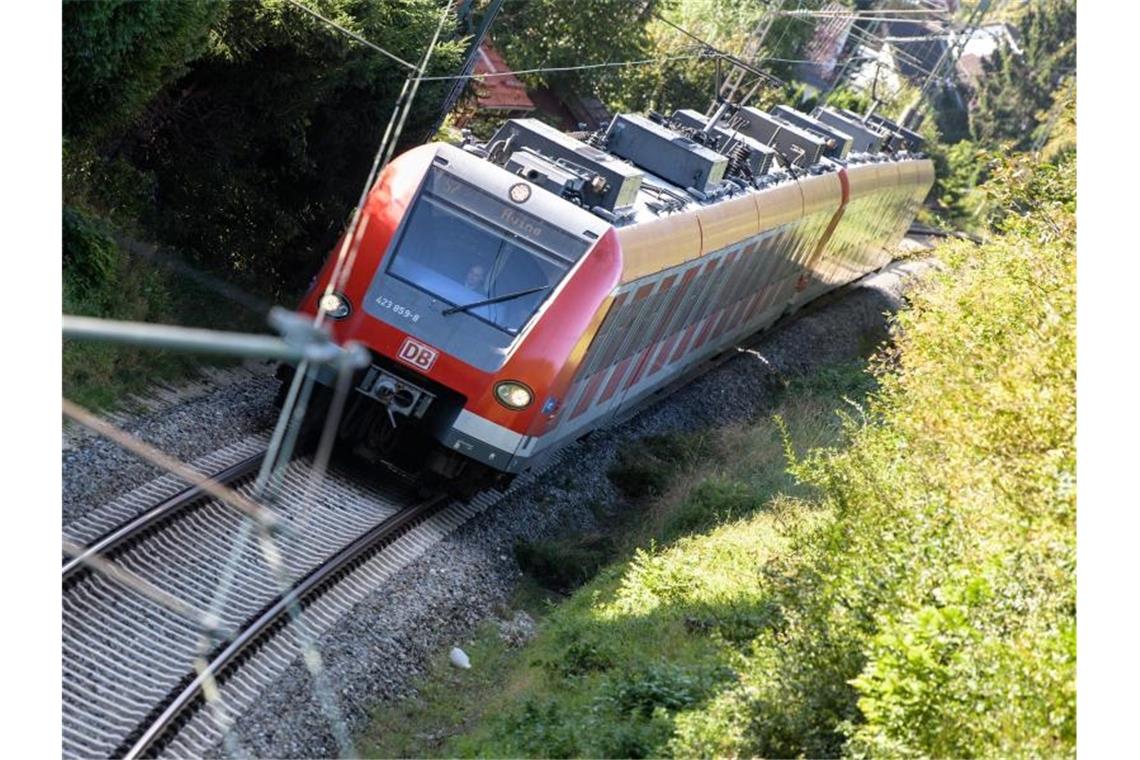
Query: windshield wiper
x=496, y=299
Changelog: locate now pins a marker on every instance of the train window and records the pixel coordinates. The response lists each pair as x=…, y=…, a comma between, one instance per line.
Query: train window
x=461, y=259
x=685, y=305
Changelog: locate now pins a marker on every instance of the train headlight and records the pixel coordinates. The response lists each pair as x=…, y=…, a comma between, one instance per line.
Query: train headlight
x=335, y=305
x=513, y=395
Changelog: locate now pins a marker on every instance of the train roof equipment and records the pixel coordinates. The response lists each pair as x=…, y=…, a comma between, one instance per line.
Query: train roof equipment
x=619, y=182
x=796, y=146
x=913, y=141
x=673, y=157
x=737, y=146
x=865, y=137
x=642, y=167
x=838, y=141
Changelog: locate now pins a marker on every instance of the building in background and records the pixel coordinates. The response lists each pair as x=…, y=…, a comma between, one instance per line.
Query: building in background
x=498, y=91
x=983, y=43
x=825, y=47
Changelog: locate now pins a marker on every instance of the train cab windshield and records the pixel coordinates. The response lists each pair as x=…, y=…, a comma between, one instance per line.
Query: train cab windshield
x=479, y=254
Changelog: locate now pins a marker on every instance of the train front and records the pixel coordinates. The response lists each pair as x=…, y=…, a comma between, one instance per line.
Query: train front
x=476, y=292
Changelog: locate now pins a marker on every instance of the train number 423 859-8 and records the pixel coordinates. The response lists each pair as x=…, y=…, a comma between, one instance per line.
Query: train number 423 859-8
x=403, y=311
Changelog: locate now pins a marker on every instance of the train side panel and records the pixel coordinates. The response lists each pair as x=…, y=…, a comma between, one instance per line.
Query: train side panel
x=803, y=239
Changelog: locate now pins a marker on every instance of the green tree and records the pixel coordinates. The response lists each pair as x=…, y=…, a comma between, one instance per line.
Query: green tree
x=554, y=33
x=117, y=55
x=253, y=157
x=1015, y=88
x=728, y=26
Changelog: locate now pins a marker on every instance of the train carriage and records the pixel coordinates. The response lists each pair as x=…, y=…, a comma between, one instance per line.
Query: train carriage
x=517, y=295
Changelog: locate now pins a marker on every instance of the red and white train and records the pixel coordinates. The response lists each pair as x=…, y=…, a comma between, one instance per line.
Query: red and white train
x=517, y=295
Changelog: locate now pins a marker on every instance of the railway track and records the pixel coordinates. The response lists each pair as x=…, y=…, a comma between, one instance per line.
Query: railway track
x=133, y=672
x=114, y=541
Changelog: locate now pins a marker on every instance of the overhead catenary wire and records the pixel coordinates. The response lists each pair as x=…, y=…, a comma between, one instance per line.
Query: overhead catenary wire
x=860, y=14
x=354, y=35
x=861, y=34
x=294, y=410
x=870, y=39
x=474, y=50
x=801, y=16
x=419, y=78
x=951, y=54
x=730, y=83
x=491, y=75
x=713, y=51
x=580, y=67
x=787, y=27
x=863, y=37
x=514, y=72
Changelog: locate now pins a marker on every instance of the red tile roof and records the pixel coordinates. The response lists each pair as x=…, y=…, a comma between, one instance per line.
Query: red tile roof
x=498, y=93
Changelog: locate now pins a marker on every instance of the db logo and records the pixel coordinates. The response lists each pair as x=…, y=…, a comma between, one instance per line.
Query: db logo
x=417, y=354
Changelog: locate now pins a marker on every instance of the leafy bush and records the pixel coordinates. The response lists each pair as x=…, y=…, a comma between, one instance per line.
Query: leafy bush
x=582, y=656
x=91, y=259
x=951, y=546
x=100, y=280
x=566, y=563
x=969, y=483
x=917, y=600
x=539, y=729
x=118, y=54
x=656, y=687
x=650, y=465
x=713, y=501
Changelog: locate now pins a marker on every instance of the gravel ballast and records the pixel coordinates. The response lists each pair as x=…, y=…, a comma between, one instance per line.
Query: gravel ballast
x=187, y=422
x=374, y=654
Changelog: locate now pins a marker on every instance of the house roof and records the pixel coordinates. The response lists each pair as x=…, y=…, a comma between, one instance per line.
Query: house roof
x=498, y=93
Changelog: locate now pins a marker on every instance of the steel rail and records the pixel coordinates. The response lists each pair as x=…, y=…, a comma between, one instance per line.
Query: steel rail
x=117, y=538
x=265, y=622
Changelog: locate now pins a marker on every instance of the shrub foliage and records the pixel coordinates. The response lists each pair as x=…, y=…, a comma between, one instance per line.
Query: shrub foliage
x=919, y=601
x=251, y=125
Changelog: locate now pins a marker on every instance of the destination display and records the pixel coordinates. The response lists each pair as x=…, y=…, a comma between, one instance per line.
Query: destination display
x=502, y=213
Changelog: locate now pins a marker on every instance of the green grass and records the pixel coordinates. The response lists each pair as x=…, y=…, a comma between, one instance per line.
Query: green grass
x=102, y=280
x=449, y=701
x=647, y=467
x=895, y=580
x=640, y=643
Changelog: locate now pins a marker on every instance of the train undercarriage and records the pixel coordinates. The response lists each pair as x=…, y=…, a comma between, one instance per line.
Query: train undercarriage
x=389, y=421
